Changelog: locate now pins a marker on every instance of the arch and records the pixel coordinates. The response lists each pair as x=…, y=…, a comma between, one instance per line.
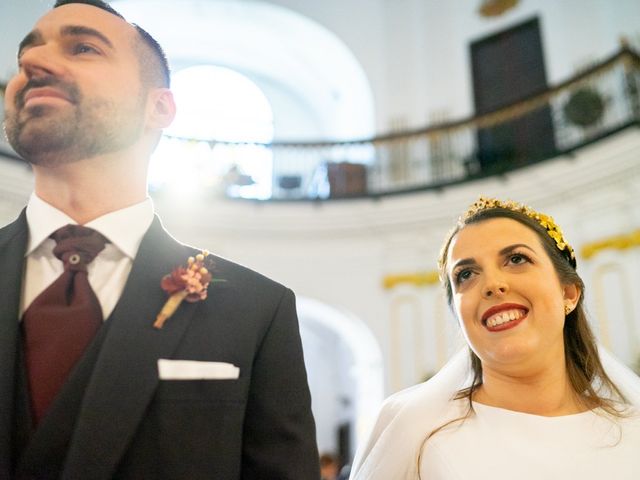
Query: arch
x=285, y=53
x=365, y=372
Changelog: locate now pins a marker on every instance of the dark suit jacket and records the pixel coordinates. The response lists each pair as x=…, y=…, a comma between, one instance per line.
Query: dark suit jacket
x=114, y=418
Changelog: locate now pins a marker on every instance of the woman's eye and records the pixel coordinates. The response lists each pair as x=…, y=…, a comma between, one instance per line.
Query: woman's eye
x=462, y=276
x=518, y=258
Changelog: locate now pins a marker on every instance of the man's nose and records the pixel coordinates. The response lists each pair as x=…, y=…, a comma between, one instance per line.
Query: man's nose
x=39, y=60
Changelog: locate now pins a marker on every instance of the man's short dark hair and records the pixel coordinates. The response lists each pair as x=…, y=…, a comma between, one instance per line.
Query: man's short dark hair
x=154, y=66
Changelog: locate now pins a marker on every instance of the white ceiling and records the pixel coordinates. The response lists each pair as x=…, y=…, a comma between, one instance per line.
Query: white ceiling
x=266, y=42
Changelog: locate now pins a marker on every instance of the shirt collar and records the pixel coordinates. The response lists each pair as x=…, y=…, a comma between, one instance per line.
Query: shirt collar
x=124, y=228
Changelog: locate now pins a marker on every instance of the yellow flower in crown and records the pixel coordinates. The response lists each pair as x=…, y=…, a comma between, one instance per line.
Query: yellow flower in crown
x=545, y=221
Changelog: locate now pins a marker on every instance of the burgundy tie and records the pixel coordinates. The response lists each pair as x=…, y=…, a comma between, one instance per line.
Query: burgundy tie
x=63, y=319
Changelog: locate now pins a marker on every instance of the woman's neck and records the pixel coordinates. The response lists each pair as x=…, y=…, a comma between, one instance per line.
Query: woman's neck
x=547, y=393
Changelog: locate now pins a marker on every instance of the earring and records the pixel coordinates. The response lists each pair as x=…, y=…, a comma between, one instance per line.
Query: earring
x=567, y=309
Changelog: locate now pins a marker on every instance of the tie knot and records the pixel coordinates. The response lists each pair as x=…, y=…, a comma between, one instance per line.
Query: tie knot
x=77, y=246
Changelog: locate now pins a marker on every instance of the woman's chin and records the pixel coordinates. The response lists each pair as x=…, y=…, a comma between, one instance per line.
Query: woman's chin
x=510, y=354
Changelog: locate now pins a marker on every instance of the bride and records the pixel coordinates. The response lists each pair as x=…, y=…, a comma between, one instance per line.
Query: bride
x=534, y=398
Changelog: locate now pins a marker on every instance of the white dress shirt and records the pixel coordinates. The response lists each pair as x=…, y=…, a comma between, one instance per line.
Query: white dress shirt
x=108, y=272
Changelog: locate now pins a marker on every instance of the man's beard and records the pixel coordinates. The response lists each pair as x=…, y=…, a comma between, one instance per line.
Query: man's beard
x=54, y=135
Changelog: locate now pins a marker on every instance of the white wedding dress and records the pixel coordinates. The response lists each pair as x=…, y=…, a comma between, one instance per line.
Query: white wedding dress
x=394, y=450
x=585, y=446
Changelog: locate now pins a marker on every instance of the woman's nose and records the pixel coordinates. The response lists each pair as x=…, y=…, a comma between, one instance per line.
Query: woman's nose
x=495, y=287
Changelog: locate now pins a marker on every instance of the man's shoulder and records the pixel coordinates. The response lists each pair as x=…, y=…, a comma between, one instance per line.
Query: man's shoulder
x=226, y=274
x=228, y=270
x=231, y=273
x=221, y=267
x=14, y=227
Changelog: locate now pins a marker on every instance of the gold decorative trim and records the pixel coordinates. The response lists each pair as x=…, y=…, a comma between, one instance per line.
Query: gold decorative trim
x=419, y=279
x=617, y=242
x=495, y=8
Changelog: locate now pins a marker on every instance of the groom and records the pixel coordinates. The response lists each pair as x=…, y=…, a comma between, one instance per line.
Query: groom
x=91, y=386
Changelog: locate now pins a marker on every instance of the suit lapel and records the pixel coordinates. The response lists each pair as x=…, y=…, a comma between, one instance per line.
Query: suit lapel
x=125, y=375
x=13, y=244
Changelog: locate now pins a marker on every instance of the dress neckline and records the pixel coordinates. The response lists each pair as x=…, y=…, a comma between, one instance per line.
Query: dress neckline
x=491, y=410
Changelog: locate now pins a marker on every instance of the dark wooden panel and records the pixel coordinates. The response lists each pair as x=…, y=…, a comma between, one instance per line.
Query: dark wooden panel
x=506, y=68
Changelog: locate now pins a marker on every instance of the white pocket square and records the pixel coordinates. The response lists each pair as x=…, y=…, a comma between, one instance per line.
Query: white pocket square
x=196, y=370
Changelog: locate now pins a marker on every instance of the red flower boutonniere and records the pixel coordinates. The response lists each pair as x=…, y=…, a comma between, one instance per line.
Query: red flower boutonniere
x=188, y=283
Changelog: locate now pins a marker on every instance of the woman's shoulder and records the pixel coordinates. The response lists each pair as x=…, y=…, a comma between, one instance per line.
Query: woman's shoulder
x=405, y=420
x=440, y=389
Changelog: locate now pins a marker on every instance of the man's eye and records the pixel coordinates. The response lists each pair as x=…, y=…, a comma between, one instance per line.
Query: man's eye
x=84, y=48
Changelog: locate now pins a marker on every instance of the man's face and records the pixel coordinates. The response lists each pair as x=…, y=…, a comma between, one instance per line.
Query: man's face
x=78, y=92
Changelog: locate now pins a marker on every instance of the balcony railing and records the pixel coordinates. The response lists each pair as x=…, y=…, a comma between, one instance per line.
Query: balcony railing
x=591, y=105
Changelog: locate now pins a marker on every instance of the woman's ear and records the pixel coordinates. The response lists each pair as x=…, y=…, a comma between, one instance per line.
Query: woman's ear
x=161, y=109
x=571, y=294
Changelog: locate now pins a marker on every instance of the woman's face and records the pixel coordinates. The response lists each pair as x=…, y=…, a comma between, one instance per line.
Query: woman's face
x=507, y=296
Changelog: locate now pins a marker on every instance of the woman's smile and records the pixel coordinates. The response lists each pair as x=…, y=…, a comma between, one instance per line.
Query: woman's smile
x=504, y=316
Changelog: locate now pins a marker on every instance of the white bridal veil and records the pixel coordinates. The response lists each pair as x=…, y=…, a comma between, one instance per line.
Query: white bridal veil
x=406, y=419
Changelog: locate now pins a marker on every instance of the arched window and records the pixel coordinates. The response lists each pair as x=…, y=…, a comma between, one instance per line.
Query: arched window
x=314, y=83
x=216, y=105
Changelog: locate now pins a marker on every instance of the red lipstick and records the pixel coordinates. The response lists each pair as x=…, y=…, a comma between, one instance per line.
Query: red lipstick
x=496, y=309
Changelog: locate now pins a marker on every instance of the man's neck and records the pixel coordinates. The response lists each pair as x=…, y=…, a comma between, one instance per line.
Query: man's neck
x=89, y=189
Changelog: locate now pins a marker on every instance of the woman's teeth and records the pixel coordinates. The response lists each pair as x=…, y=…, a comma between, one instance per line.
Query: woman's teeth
x=504, y=317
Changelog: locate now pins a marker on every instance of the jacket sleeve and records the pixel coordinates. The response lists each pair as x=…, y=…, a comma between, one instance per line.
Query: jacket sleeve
x=279, y=438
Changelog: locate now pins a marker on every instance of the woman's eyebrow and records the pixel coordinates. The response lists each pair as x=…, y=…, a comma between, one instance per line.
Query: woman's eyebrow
x=504, y=251
x=463, y=262
x=511, y=248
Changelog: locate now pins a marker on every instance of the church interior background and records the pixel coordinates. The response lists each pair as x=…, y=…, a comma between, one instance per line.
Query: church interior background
x=331, y=145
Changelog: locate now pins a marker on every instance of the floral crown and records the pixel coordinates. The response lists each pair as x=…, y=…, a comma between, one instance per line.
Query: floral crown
x=545, y=221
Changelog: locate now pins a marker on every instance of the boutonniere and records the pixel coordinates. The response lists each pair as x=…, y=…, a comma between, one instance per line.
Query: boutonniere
x=188, y=283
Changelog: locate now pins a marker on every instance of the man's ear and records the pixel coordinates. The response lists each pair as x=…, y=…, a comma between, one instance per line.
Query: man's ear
x=161, y=108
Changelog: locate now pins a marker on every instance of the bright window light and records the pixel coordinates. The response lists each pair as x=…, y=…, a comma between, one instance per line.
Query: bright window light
x=216, y=104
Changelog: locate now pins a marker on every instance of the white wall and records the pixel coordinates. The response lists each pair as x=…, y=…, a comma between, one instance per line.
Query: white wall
x=16, y=19
x=416, y=52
